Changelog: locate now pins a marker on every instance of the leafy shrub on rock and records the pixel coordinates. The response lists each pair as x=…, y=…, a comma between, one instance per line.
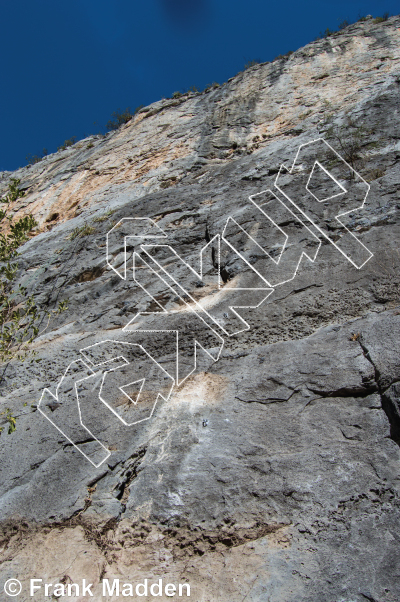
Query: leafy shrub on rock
x=67, y=143
x=120, y=117
x=19, y=314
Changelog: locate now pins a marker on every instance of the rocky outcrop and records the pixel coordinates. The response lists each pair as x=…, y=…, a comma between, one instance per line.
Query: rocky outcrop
x=272, y=473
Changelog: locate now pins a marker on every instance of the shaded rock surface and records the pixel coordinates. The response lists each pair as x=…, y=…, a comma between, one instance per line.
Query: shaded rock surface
x=272, y=473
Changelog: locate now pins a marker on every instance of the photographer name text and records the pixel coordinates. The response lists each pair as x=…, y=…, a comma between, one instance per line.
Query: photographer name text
x=109, y=587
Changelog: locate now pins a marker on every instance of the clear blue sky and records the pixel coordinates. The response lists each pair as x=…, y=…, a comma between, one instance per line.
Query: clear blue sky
x=66, y=65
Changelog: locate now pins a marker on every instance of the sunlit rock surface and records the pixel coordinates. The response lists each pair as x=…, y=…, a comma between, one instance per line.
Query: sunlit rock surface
x=273, y=473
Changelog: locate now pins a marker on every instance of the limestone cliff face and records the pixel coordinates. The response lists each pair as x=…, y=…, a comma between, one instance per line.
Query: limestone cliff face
x=271, y=472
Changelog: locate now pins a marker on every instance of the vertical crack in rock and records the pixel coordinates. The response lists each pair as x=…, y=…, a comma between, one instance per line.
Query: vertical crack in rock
x=128, y=475
x=389, y=398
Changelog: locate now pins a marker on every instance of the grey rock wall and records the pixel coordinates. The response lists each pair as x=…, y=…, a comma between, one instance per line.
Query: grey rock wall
x=272, y=473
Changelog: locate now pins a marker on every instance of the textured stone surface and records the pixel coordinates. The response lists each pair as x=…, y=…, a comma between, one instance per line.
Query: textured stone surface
x=273, y=473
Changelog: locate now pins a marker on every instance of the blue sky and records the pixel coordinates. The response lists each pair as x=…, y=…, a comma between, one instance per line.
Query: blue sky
x=66, y=66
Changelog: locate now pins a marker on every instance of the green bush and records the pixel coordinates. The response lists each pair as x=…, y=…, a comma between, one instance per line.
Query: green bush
x=283, y=56
x=67, y=143
x=33, y=159
x=212, y=86
x=10, y=419
x=19, y=315
x=252, y=63
x=352, y=141
x=120, y=117
x=381, y=19
x=327, y=33
x=193, y=89
x=18, y=311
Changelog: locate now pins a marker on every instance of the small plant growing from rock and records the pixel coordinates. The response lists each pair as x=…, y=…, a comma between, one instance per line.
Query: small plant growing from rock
x=81, y=231
x=18, y=312
x=252, y=63
x=120, y=117
x=352, y=142
x=67, y=143
x=382, y=19
x=374, y=174
x=283, y=56
x=19, y=315
x=345, y=23
x=33, y=159
x=212, y=86
x=10, y=419
x=104, y=217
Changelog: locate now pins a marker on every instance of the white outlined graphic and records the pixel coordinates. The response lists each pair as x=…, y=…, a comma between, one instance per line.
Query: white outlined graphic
x=260, y=293
x=285, y=267
x=128, y=232
x=291, y=182
x=63, y=410
x=151, y=379
x=318, y=165
x=262, y=245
